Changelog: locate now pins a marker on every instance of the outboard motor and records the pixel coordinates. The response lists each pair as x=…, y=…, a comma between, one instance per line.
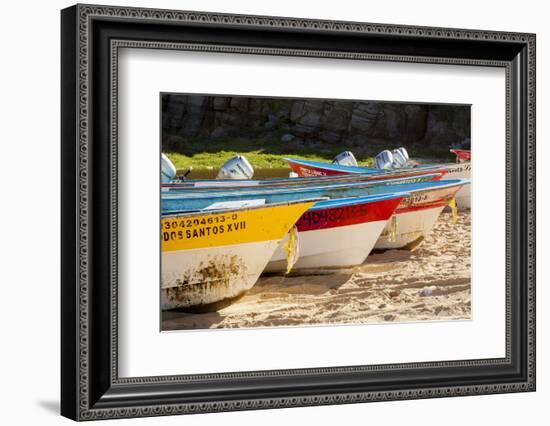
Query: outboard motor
x=400, y=157
x=384, y=160
x=237, y=167
x=167, y=169
x=345, y=158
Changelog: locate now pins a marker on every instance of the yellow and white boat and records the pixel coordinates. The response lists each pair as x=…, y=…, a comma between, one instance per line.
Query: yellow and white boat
x=211, y=258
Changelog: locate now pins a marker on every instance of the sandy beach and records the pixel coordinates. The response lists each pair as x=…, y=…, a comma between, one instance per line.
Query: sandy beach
x=431, y=282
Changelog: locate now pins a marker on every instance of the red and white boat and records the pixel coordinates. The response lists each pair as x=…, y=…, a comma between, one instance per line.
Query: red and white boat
x=451, y=171
x=417, y=213
x=462, y=154
x=336, y=233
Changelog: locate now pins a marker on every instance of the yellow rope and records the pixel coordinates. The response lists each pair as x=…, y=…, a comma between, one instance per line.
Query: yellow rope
x=291, y=249
x=393, y=230
x=454, y=210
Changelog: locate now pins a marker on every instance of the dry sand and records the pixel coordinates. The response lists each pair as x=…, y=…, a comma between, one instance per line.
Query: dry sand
x=431, y=282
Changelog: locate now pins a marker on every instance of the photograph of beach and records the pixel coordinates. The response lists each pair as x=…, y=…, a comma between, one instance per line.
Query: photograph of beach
x=280, y=212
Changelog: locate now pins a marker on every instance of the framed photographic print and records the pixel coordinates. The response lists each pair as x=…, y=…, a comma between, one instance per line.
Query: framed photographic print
x=263, y=212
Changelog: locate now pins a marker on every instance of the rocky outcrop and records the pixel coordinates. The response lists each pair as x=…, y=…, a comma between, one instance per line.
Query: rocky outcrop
x=315, y=121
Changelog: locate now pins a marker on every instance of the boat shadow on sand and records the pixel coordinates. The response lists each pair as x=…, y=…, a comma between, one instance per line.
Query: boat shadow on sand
x=294, y=283
x=279, y=286
x=269, y=286
x=302, y=284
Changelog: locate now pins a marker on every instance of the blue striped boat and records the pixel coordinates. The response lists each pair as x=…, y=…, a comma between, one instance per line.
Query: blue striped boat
x=308, y=168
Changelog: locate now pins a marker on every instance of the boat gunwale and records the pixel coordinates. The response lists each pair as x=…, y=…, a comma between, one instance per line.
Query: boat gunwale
x=186, y=213
x=367, y=170
x=265, y=187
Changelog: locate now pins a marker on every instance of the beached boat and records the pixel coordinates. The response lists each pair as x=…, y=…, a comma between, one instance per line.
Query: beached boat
x=462, y=155
x=452, y=171
x=336, y=233
x=416, y=215
x=211, y=258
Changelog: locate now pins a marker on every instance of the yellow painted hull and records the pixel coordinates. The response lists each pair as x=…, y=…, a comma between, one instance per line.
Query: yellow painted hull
x=210, y=259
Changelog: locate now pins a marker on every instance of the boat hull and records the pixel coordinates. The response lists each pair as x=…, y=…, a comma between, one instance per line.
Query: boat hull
x=410, y=227
x=212, y=278
x=341, y=234
x=331, y=248
x=316, y=169
x=415, y=217
x=211, y=258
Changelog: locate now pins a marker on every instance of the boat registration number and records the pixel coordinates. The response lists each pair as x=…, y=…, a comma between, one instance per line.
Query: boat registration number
x=189, y=228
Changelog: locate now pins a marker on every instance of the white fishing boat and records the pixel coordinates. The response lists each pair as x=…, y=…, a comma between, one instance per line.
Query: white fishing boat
x=335, y=233
x=211, y=258
x=416, y=215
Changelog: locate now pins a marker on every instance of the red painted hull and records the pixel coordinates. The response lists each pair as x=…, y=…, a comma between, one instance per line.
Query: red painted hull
x=462, y=154
x=334, y=217
x=310, y=171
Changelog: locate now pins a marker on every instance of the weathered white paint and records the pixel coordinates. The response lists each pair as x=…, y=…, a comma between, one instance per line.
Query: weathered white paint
x=333, y=247
x=410, y=226
x=209, y=275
